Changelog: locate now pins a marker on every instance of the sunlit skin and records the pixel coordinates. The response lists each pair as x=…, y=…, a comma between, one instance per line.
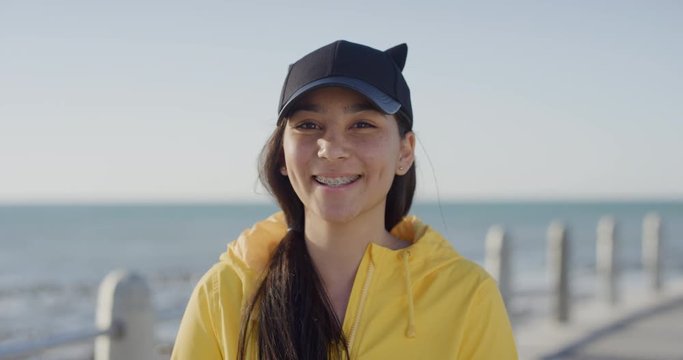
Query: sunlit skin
x=335, y=133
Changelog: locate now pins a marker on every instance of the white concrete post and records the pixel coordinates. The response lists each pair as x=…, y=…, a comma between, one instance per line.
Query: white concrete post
x=652, y=251
x=558, y=267
x=124, y=303
x=497, y=261
x=606, y=261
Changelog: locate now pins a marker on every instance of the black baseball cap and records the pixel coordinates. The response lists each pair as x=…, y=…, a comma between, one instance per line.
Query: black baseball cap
x=374, y=73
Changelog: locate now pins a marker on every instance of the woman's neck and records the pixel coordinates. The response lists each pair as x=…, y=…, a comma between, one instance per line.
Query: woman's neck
x=339, y=247
x=336, y=250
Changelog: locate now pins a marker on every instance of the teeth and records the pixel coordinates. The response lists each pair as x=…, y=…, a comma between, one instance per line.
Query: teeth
x=338, y=181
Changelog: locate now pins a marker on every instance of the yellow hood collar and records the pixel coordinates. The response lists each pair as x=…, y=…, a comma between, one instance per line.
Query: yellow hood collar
x=427, y=252
x=255, y=245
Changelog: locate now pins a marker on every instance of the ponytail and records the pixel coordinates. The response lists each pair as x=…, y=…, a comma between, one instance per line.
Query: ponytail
x=291, y=310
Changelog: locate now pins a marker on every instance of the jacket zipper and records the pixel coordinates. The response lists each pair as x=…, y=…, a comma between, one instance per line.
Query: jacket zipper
x=363, y=296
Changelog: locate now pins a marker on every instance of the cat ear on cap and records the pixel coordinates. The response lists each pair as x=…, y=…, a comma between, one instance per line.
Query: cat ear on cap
x=398, y=53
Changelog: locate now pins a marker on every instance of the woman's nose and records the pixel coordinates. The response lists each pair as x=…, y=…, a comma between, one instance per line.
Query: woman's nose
x=332, y=147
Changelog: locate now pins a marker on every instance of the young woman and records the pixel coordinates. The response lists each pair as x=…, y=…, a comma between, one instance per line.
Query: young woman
x=342, y=272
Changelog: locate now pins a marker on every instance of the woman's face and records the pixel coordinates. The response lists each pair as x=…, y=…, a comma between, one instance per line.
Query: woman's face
x=341, y=155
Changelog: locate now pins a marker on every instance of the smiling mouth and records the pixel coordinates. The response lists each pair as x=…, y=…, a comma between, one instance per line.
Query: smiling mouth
x=336, y=181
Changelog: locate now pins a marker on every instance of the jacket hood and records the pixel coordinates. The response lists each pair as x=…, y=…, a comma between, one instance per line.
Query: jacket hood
x=254, y=246
x=428, y=252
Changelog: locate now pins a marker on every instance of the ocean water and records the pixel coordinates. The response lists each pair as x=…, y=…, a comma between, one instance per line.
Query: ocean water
x=53, y=257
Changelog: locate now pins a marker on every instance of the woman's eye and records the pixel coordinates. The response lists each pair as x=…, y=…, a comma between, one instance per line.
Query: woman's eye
x=307, y=125
x=363, y=125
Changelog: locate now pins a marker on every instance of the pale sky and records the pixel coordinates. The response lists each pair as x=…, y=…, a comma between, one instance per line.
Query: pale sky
x=172, y=100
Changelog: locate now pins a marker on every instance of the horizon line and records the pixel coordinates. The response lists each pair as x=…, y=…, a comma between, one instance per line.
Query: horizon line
x=271, y=201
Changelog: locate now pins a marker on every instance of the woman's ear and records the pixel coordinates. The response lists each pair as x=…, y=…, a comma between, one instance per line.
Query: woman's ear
x=283, y=170
x=406, y=153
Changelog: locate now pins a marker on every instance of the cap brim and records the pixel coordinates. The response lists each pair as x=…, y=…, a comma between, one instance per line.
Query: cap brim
x=383, y=101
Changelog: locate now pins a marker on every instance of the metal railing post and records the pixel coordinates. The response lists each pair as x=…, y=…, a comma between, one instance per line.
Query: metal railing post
x=497, y=260
x=606, y=261
x=124, y=304
x=652, y=251
x=558, y=266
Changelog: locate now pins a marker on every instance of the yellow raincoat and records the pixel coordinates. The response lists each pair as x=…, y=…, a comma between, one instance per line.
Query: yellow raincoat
x=424, y=301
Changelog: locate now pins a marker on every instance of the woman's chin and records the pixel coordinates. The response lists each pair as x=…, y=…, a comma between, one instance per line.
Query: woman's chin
x=333, y=214
x=346, y=213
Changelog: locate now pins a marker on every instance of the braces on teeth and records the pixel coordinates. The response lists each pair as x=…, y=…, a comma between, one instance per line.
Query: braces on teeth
x=336, y=181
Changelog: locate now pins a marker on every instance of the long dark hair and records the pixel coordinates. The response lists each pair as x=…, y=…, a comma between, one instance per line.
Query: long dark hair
x=290, y=314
